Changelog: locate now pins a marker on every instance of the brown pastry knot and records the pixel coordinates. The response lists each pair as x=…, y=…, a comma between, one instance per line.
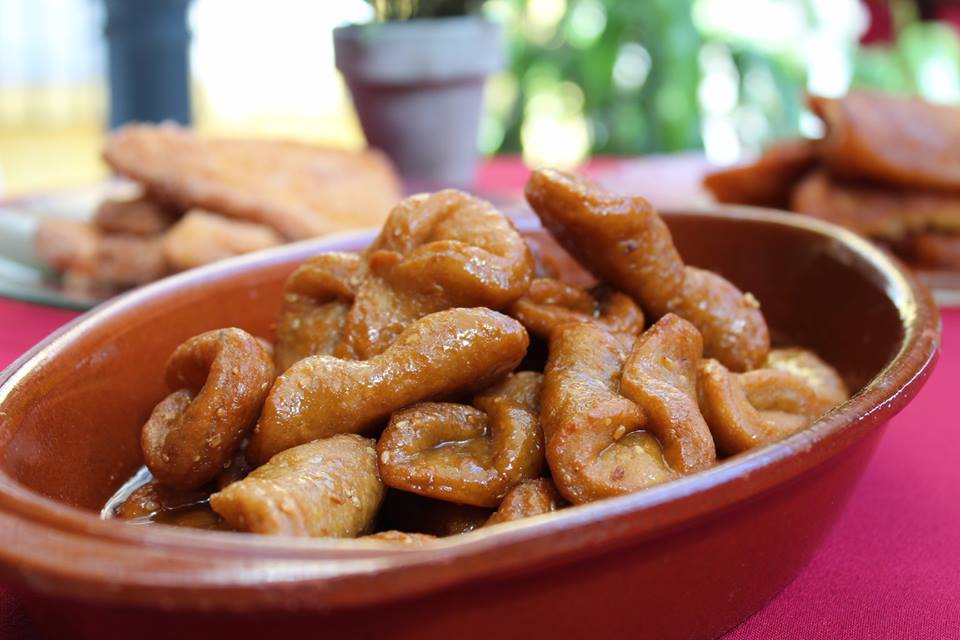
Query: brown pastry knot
x=595, y=445
x=553, y=261
x=550, y=303
x=624, y=242
x=467, y=454
x=660, y=375
x=316, y=299
x=221, y=378
x=527, y=499
x=328, y=487
x=615, y=424
x=754, y=408
x=461, y=240
x=823, y=379
x=436, y=251
x=452, y=351
x=730, y=322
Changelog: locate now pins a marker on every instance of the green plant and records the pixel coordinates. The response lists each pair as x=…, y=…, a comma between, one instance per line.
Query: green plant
x=924, y=60
x=619, y=77
x=627, y=70
x=398, y=10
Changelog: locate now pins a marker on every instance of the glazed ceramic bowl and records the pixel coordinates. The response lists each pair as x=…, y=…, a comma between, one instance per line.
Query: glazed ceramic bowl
x=688, y=559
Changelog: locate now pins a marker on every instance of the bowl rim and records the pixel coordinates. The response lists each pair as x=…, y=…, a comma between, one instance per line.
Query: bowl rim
x=116, y=562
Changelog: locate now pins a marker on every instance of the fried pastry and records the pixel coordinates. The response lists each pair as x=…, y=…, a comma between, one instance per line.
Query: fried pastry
x=220, y=379
x=936, y=250
x=436, y=251
x=769, y=181
x=201, y=237
x=66, y=244
x=619, y=239
x=734, y=330
x=467, y=454
x=896, y=140
x=316, y=300
x=298, y=190
x=552, y=261
x=755, y=408
x=873, y=210
x=550, y=303
x=139, y=216
x=395, y=340
x=595, y=443
x=325, y=488
x=660, y=376
x=105, y=260
x=624, y=241
x=126, y=261
x=452, y=351
x=527, y=499
x=823, y=379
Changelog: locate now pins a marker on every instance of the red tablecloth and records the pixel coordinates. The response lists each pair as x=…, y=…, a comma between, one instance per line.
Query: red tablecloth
x=889, y=569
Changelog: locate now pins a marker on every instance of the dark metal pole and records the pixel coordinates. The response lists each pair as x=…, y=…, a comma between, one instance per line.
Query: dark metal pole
x=148, y=43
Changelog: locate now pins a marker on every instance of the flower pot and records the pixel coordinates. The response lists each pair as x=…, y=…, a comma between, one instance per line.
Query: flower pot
x=418, y=90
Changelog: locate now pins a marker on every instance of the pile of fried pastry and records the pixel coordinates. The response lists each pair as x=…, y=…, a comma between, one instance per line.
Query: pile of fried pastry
x=406, y=394
x=202, y=200
x=888, y=168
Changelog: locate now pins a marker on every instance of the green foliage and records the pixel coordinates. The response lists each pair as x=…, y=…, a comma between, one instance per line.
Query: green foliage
x=394, y=10
x=771, y=91
x=924, y=60
x=636, y=68
x=647, y=103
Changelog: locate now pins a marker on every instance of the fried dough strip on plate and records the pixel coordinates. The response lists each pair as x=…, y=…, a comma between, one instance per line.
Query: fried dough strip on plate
x=107, y=260
x=201, y=238
x=139, y=216
x=300, y=191
x=876, y=211
x=769, y=181
x=896, y=140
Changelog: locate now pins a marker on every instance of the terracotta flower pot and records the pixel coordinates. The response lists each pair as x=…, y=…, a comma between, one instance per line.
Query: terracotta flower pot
x=418, y=90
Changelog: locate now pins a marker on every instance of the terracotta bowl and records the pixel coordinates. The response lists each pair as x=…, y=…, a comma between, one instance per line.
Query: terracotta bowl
x=689, y=559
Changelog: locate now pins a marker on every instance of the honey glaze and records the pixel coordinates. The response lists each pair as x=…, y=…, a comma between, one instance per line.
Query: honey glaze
x=142, y=500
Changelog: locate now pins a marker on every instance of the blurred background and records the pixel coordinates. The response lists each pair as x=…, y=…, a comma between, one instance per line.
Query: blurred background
x=584, y=76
